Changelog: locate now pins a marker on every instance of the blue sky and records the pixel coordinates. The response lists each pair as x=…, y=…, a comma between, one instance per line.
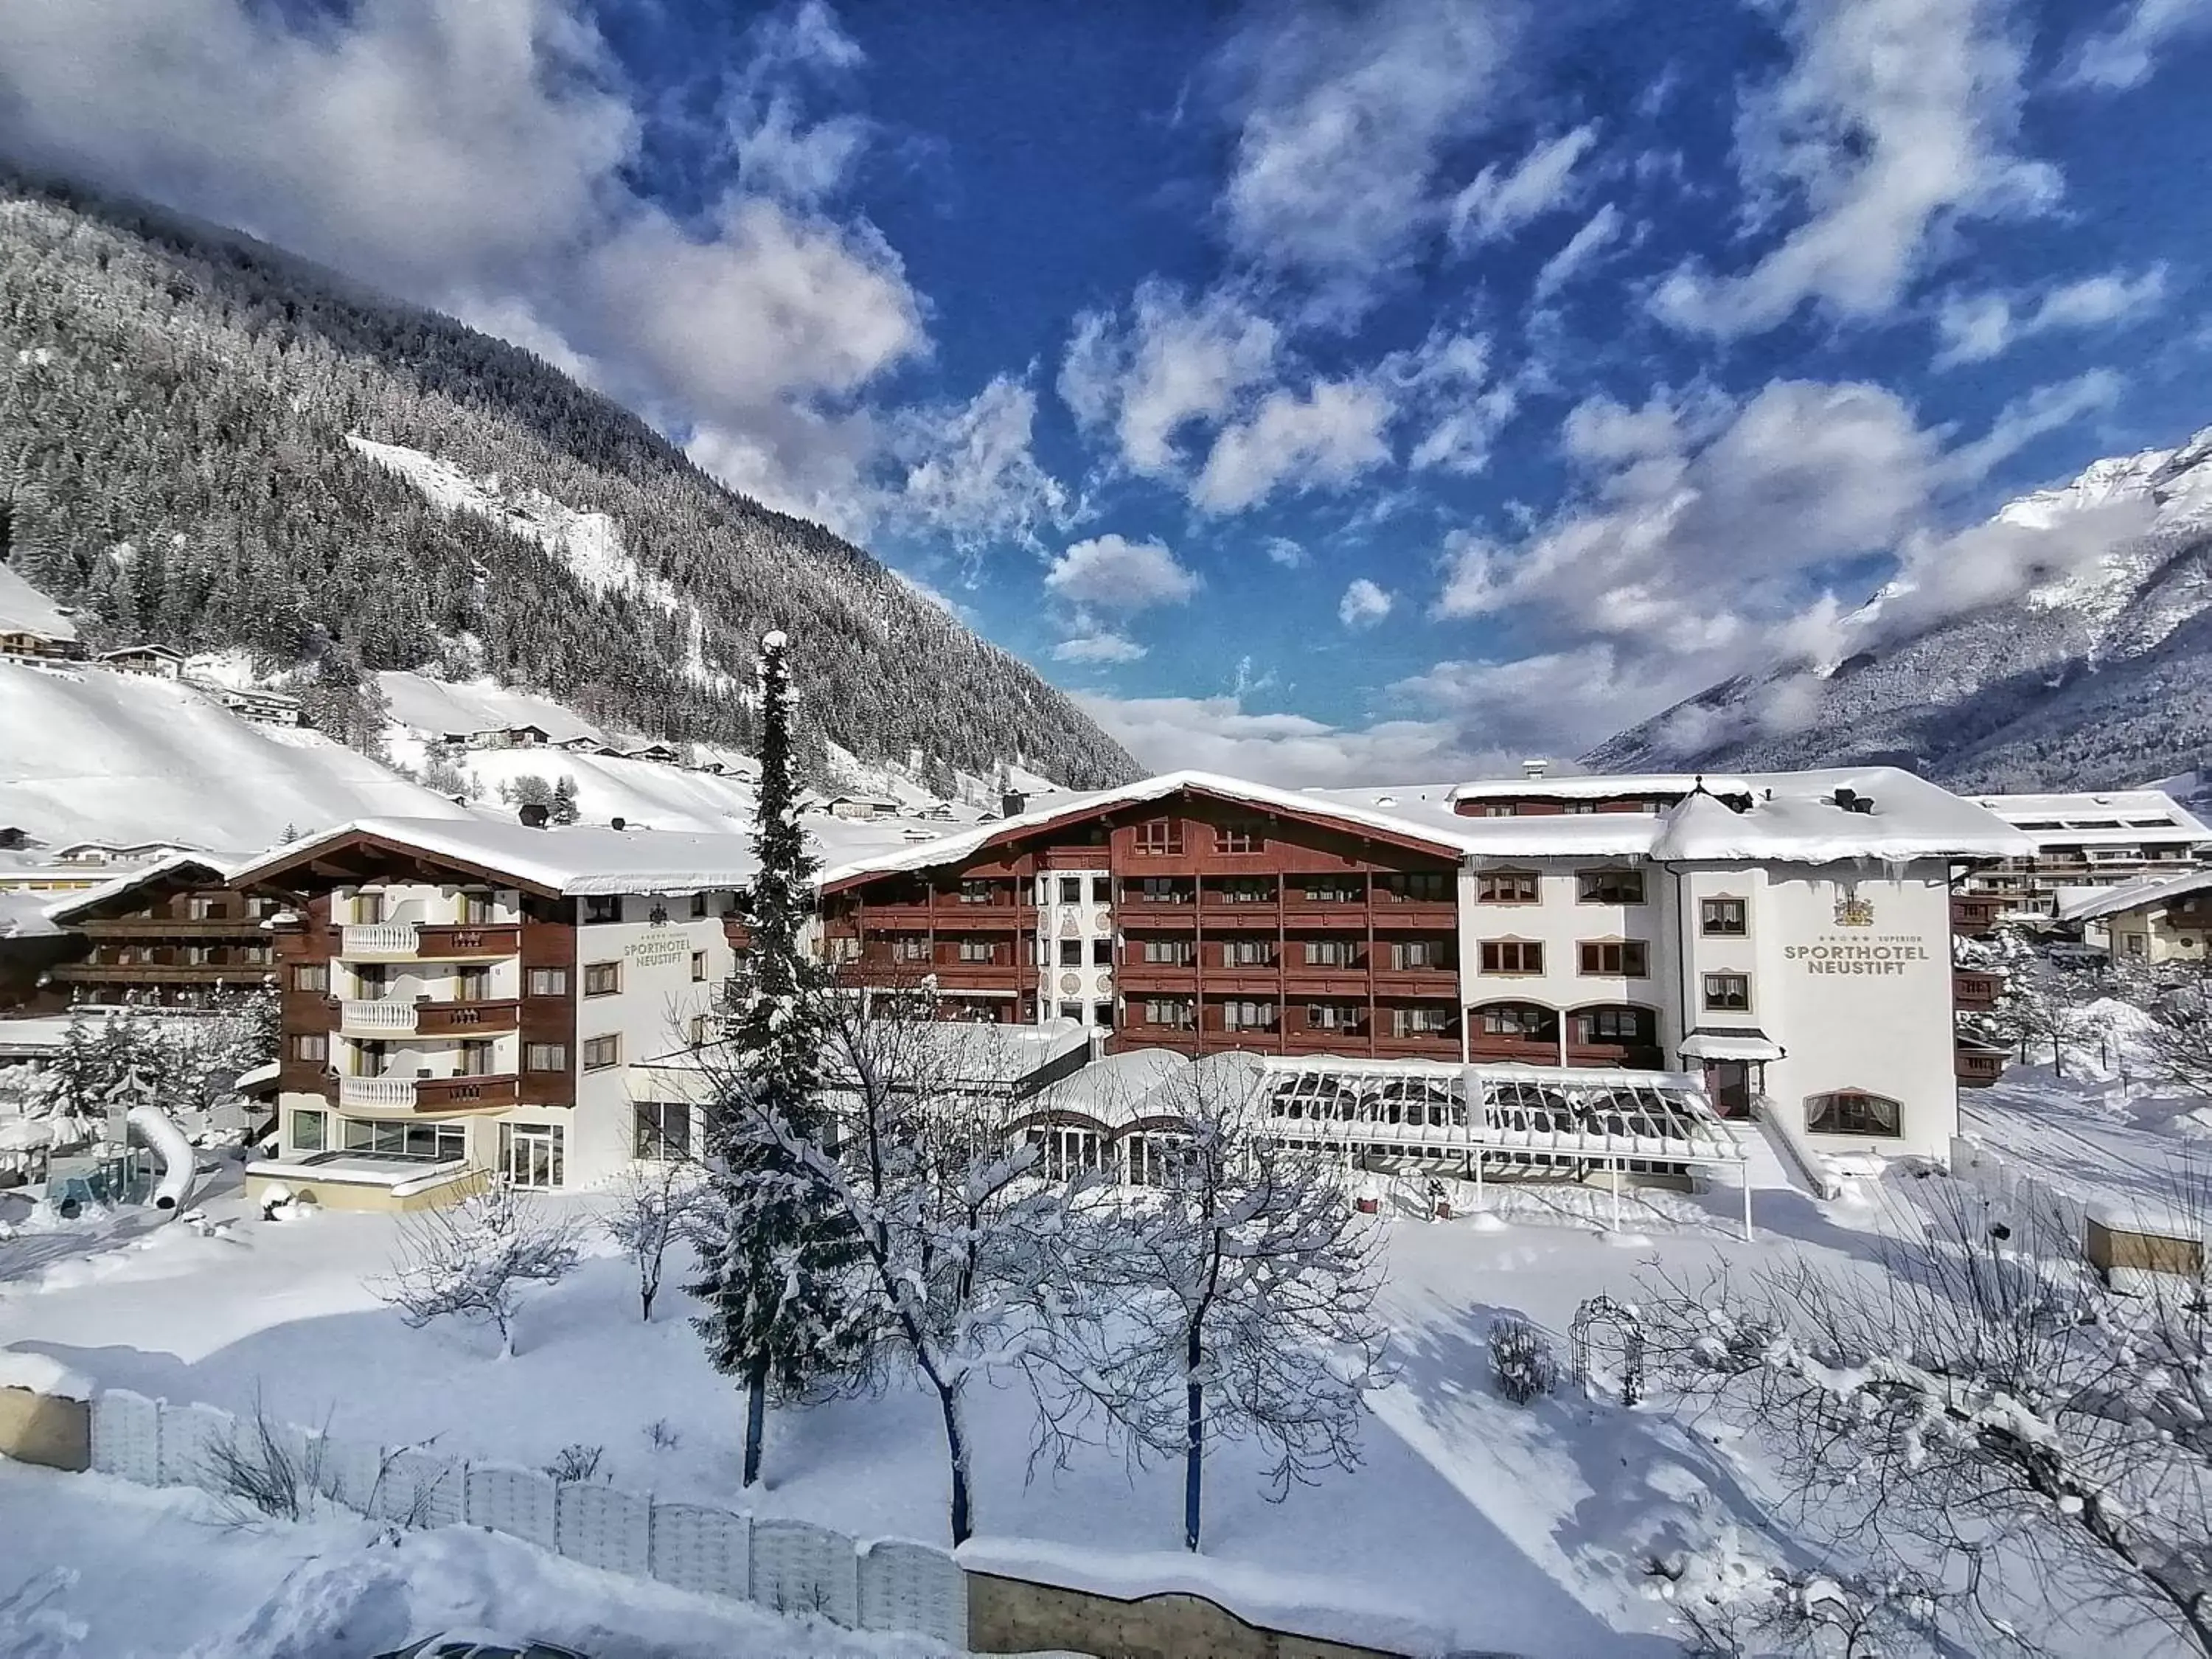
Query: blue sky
x=1322, y=391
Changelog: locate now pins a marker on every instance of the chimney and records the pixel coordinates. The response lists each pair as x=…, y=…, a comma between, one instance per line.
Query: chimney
x=617, y=823
x=1013, y=804
x=1532, y=770
x=534, y=815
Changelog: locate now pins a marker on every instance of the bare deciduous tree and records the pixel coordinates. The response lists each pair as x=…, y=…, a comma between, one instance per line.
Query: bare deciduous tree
x=1986, y=1407
x=653, y=1206
x=472, y=1260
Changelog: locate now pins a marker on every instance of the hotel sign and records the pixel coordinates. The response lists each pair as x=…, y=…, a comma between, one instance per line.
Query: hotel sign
x=1837, y=953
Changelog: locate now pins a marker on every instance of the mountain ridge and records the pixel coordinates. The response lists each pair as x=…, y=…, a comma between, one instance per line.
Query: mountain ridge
x=2096, y=673
x=196, y=439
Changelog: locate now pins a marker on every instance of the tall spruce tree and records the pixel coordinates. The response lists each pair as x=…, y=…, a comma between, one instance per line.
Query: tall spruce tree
x=781, y=1312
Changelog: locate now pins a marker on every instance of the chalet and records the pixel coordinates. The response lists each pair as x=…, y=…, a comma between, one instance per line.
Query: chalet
x=33, y=628
x=27, y=645
x=653, y=751
x=252, y=704
x=158, y=660
x=861, y=808
x=463, y=998
x=172, y=934
x=583, y=744
x=2153, y=920
x=500, y=737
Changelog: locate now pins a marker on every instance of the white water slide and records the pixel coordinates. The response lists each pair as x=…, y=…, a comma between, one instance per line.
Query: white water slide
x=160, y=1131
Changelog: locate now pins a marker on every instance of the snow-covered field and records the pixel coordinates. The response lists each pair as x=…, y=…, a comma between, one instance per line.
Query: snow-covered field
x=96, y=1568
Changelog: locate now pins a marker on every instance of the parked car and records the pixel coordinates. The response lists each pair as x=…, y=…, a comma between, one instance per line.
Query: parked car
x=448, y=1645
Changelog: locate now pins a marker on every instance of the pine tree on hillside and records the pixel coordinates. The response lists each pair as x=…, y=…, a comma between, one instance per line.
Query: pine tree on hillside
x=781, y=1312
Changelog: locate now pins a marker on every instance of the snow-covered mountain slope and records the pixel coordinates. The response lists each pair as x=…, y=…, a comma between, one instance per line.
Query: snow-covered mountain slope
x=2099, y=673
x=88, y=755
x=210, y=444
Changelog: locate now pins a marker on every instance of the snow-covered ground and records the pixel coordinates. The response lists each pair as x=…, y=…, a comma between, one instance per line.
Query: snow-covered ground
x=99, y=1569
x=1472, y=1523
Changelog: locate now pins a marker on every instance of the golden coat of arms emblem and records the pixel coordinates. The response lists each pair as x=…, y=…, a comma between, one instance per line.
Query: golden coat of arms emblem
x=1852, y=911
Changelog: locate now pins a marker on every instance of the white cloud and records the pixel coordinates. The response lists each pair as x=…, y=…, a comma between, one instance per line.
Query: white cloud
x=1348, y=114
x=1114, y=574
x=779, y=152
x=1444, y=385
x=1894, y=117
x=2128, y=51
x=1174, y=363
x=1502, y=200
x=1282, y=551
x=479, y=158
x=1217, y=734
x=1098, y=648
x=1364, y=604
x=1975, y=328
x=1599, y=232
x=2046, y=410
x=971, y=473
x=1328, y=435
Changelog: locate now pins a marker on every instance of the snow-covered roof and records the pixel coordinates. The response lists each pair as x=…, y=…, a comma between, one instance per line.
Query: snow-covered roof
x=146, y=650
x=24, y=915
x=1597, y=785
x=1113, y=1090
x=117, y=886
x=2130, y=814
x=24, y=610
x=959, y=1051
x=1707, y=1044
x=1793, y=818
x=2135, y=896
x=578, y=859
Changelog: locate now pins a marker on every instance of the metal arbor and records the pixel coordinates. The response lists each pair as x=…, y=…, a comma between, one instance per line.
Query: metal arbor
x=1620, y=1329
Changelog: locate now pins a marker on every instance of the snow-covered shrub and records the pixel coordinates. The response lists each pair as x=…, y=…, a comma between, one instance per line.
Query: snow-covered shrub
x=661, y=1435
x=576, y=1462
x=262, y=1470
x=474, y=1259
x=1522, y=1363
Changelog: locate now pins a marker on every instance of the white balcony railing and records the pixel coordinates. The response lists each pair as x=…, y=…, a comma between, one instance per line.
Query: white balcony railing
x=379, y=1014
x=378, y=938
x=376, y=1092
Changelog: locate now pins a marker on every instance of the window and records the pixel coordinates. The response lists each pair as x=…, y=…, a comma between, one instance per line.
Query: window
x=1610, y=887
x=1102, y=953
x=1512, y=956
x=198, y=956
x=1524, y=1021
x=1331, y=952
x=476, y=907
x=200, y=907
x=698, y=965
x=311, y=976
x=1242, y=890
x=1420, y=1022
x=603, y=907
x=1176, y=953
x=307, y=1131
x=1853, y=1112
x=663, y=1131
x=1420, y=886
x=911, y=947
x=1333, y=1016
x=1159, y=838
x=1071, y=890
x=1507, y=887
x=1071, y=953
x=702, y=1030
x=979, y=892
x=546, y=983
x=1728, y=992
x=1161, y=889
x=431, y=1143
x=1071, y=1011
x=544, y=1056
x=1333, y=890
x=1616, y=958
x=1241, y=837
x=1720, y=917
x=1630, y=1025
x=1419, y=953
x=1247, y=952
x=601, y=1051
x=368, y=909
x=1169, y=1011
x=474, y=1059
x=1102, y=1015
x=313, y=1048
x=699, y=907
x=1238, y=1015
x=1577, y=808
x=530, y=1154
x=976, y=950
x=1499, y=809
x=472, y=984
x=602, y=979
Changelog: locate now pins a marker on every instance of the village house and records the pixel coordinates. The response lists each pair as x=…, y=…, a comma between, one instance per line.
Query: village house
x=2153, y=920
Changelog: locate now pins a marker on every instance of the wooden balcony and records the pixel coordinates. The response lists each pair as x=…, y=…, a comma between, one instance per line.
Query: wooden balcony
x=1252, y=980
x=240, y=928
x=1438, y=1045
x=1428, y=915
x=1142, y=918
x=410, y=941
x=1978, y=1068
x=1351, y=1041
x=1139, y=977
x=1975, y=913
x=1321, y=980
x=1260, y=916
x=1487, y=1050
x=427, y=1094
x=1305, y=913
x=1976, y=991
x=162, y=973
x=1416, y=982
x=977, y=975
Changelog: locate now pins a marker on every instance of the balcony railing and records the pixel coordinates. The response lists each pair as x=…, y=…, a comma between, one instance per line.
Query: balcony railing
x=1978, y=1068
x=380, y=1015
x=414, y=941
x=430, y=1094
x=389, y=1016
x=1976, y=991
